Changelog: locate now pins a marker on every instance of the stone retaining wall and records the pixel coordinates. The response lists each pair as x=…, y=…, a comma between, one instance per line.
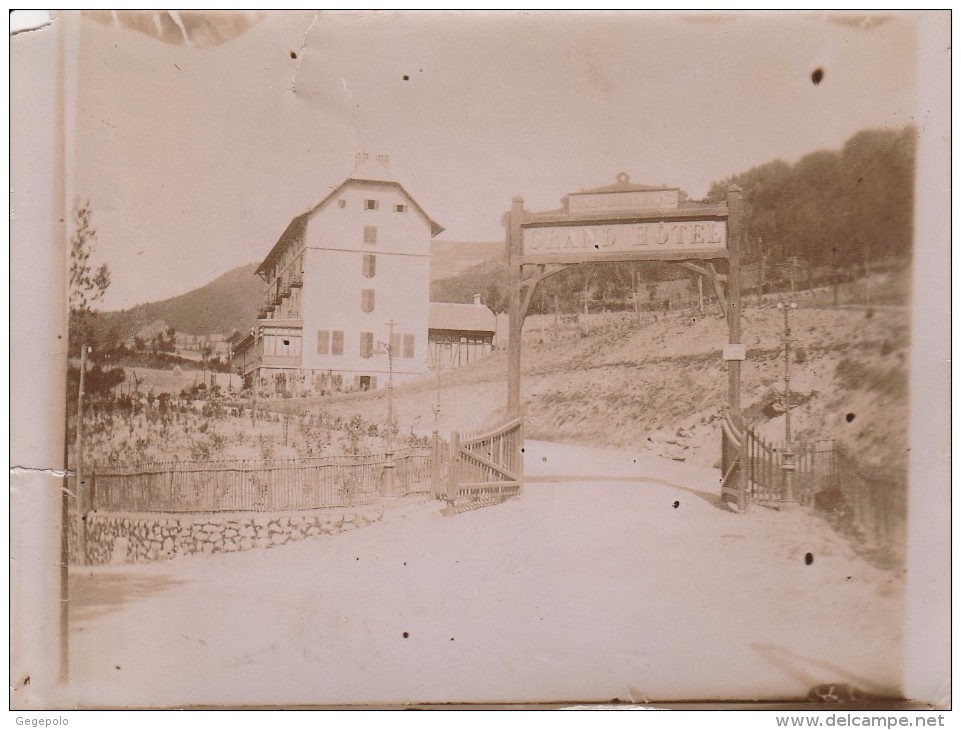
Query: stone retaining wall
x=144, y=537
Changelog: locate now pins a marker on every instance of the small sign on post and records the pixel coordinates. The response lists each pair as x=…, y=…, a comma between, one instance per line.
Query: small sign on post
x=734, y=352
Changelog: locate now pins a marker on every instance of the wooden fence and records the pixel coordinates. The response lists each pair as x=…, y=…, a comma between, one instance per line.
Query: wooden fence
x=260, y=485
x=480, y=468
x=875, y=500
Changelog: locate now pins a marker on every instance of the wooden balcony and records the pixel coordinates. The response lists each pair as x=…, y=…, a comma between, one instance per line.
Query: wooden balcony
x=296, y=280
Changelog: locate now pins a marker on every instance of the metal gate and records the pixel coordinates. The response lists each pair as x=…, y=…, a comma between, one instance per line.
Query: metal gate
x=480, y=468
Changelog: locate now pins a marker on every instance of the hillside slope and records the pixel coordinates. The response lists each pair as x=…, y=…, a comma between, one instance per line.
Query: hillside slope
x=661, y=384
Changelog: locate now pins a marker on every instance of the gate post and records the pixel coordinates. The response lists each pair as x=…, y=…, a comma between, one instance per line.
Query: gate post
x=514, y=250
x=519, y=454
x=453, y=468
x=435, y=486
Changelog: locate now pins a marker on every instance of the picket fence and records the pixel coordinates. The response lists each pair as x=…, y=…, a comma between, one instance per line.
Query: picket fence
x=260, y=485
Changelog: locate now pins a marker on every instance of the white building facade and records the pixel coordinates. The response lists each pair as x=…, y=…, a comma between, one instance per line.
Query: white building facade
x=347, y=295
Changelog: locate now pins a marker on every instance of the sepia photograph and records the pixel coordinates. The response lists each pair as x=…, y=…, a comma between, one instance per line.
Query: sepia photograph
x=480, y=358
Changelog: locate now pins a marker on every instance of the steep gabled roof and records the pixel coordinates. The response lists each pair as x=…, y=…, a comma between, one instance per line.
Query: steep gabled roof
x=298, y=226
x=294, y=231
x=461, y=317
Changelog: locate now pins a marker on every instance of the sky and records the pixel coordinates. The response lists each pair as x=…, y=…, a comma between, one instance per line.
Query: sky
x=195, y=158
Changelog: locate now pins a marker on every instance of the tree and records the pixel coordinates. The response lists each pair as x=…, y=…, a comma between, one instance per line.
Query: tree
x=87, y=284
x=496, y=299
x=87, y=287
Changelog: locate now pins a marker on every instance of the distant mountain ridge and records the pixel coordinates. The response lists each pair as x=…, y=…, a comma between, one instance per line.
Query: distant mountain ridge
x=227, y=303
x=449, y=258
x=230, y=301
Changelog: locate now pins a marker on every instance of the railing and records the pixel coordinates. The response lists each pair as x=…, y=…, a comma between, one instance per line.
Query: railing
x=814, y=471
x=258, y=485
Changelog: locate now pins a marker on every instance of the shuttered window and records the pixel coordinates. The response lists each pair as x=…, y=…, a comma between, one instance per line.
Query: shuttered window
x=366, y=344
x=408, y=345
x=395, y=345
x=370, y=234
x=367, y=300
x=337, y=344
x=370, y=265
x=323, y=342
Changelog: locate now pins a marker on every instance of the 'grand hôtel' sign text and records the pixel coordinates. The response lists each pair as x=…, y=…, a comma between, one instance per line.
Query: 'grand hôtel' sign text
x=666, y=237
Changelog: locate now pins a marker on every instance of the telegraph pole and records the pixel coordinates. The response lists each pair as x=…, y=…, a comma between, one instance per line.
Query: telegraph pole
x=788, y=500
x=390, y=384
x=763, y=272
x=389, y=456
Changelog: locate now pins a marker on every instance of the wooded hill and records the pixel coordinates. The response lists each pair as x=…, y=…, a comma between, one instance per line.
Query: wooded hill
x=832, y=210
x=847, y=207
x=227, y=303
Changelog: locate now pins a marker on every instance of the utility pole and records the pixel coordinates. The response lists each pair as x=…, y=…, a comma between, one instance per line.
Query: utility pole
x=255, y=376
x=834, y=274
x=390, y=385
x=788, y=500
x=435, y=478
x=389, y=455
x=587, y=283
x=763, y=273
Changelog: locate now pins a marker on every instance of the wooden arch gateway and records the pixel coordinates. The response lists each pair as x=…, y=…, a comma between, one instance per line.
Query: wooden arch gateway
x=626, y=222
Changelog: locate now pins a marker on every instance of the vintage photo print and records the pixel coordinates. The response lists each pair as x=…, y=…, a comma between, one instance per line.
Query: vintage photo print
x=417, y=357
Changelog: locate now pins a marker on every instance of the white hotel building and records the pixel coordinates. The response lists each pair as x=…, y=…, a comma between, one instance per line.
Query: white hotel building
x=347, y=290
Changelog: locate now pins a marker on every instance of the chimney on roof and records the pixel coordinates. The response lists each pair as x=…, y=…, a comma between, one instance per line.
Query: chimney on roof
x=477, y=301
x=376, y=167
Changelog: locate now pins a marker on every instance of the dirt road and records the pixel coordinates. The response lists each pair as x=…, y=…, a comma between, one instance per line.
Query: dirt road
x=633, y=586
